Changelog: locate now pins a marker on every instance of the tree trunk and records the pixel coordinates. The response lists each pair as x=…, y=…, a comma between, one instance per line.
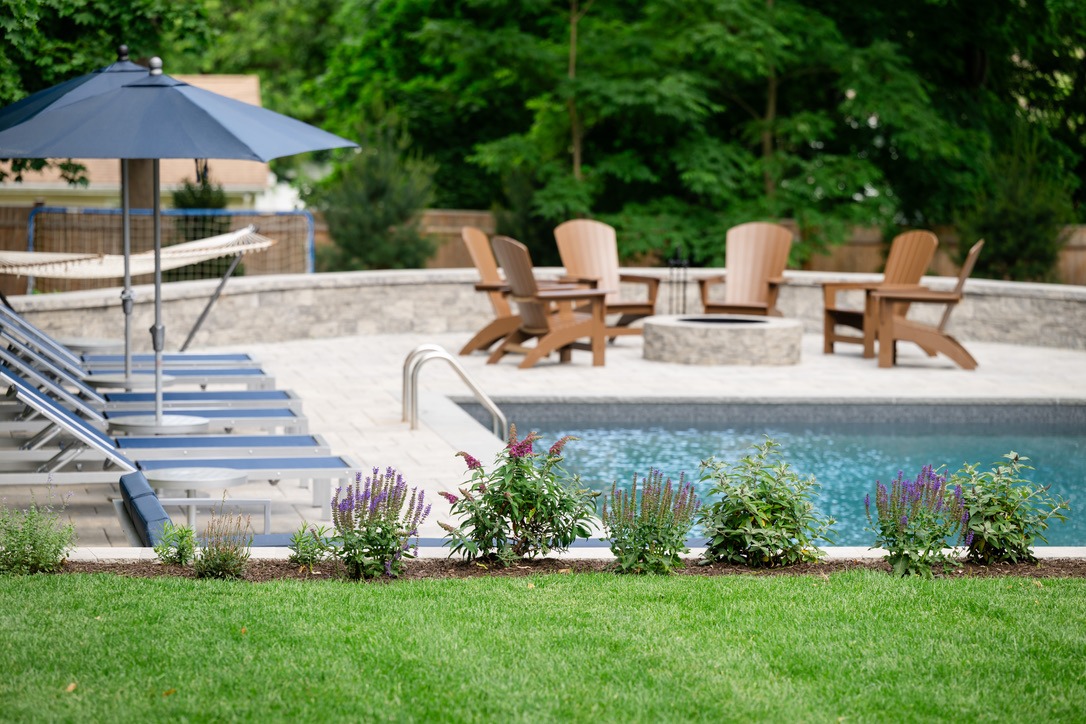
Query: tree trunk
x=575, y=130
x=767, y=127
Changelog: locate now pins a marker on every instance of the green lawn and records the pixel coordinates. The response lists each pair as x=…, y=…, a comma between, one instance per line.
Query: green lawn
x=861, y=646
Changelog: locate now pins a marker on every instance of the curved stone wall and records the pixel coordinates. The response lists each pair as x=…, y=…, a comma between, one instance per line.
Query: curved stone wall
x=277, y=308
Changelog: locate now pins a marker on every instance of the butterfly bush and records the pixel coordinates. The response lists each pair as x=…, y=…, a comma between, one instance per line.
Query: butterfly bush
x=526, y=505
x=648, y=534
x=1007, y=512
x=374, y=521
x=914, y=520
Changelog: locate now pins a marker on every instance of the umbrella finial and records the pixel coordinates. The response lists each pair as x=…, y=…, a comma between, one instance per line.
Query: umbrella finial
x=122, y=53
x=156, y=66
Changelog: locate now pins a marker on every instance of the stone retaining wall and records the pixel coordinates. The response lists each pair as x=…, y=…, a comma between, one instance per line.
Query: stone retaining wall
x=277, y=308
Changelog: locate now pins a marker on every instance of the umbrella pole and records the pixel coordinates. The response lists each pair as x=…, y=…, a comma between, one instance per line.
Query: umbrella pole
x=126, y=293
x=158, y=332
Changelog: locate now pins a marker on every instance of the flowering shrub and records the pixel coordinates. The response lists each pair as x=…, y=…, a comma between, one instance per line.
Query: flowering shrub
x=34, y=540
x=373, y=527
x=526, y=506
x=1006, y=512
x=764, y=516
x=914, y=519
x=649, y=535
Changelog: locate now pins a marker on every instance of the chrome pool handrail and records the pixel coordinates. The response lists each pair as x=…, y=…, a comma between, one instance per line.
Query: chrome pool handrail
x=411, y=366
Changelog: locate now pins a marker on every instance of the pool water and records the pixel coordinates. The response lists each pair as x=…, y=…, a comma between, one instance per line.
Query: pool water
x=845, y=459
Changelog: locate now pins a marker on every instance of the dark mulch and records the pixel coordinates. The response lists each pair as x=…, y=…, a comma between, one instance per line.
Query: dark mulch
x=263, y=570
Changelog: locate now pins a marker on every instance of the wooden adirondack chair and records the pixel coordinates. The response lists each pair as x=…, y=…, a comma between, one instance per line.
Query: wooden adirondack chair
x=755, y=257
x=589, y=252
x=910, y=256
x=553, y=326
x=894, y=327
x=491, y=282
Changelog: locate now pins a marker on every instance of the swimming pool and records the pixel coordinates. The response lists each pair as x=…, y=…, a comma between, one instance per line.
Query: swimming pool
x=845, y=455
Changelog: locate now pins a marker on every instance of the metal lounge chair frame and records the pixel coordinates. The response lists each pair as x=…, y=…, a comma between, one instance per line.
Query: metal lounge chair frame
x=59, y=470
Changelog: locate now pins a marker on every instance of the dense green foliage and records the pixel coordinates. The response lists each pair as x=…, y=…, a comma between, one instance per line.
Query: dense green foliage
x=670, y=119
x=1007, y=513
x=177, y=546
x=525, y=506
x=35, y=539
x=648, y=534
x=759, y=511
x=581, y=648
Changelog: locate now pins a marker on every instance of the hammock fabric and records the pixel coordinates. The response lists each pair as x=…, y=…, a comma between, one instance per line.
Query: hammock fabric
x=55, y=265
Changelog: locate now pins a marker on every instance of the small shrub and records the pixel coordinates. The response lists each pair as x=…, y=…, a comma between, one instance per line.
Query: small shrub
x=309, y=546
x=177, y=546
x=226, y=547
x=914, y=519
x=373, y=528
x=526, y=506
x=1006, y=512
x=763, y=516
x=34, y=540
x=649, y=535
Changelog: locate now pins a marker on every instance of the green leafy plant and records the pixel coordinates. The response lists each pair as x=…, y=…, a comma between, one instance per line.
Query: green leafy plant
x=763, y=515
x=177, y=546
x=914, y=519
x=34, y=540
x=1006, y=511
x=373, y=527
x=226, y=547
x=527, y=505
x=309, y=546
x=648, y=535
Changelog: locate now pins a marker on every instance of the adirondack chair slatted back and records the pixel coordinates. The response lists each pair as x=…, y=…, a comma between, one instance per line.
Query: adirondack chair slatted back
x=963, y=274
x=910, y=256
x=589, y=249
x=483, y=258
x=756, y=252
x=516, y=262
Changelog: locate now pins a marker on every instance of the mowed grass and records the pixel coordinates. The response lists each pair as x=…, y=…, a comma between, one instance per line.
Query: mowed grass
x=861, y=646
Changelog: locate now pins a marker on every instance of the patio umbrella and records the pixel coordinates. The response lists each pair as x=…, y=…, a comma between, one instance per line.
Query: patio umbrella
x=71, y=91
x=161, y=117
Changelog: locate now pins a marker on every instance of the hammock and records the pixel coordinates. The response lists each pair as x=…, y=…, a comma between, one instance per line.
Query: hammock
x=57, y=265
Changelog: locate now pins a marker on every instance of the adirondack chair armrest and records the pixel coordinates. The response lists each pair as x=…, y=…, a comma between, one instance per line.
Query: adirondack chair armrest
x=568, y=295
x=652, y=283
x=705, y=282
x=918, y=294
x=777, y=281
x=491, y=287
x=570, y=281
x=830, y=290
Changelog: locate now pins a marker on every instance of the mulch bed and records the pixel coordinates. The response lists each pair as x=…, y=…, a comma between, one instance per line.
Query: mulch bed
x=260, y=571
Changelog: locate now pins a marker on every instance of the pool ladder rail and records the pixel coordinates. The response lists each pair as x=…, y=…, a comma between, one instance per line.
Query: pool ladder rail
x=411, y=366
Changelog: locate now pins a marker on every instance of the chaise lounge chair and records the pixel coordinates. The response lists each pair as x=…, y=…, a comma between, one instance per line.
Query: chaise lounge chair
x=65, y=469
x=755, y=258
x=894, y=327
x=493, y=285
x=910, y=256
x=589, y=252
x=554, y=327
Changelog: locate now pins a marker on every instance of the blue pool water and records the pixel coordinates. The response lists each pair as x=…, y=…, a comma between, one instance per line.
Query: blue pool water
x=846, y=459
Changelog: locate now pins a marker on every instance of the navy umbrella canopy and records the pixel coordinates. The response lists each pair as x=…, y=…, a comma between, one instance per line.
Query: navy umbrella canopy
x=73, y=90
x=161, y=117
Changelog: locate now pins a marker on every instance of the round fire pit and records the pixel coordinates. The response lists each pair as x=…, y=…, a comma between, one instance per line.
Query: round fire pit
x=722, y=339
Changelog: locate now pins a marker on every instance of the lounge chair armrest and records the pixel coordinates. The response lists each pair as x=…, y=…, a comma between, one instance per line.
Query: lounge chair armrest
x=705, y=282
x=844, y=286
x=652, y=283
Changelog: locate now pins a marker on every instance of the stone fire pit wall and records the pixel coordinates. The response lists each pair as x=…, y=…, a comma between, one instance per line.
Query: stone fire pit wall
x=720, y=339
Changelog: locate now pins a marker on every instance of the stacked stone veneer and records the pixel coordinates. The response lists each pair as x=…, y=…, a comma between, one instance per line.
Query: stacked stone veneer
x=277, y=308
